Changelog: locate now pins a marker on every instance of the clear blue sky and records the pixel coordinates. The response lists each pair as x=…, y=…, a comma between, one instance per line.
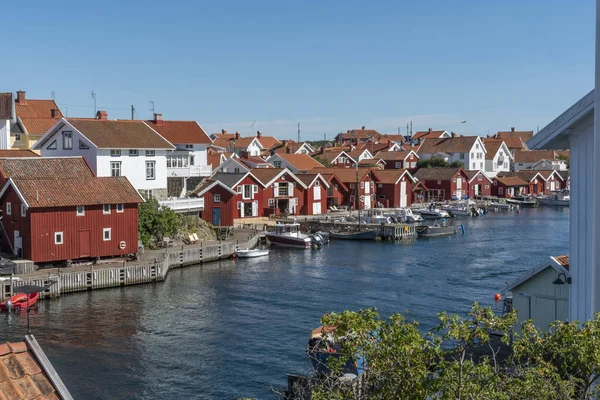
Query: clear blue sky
x=330, y=65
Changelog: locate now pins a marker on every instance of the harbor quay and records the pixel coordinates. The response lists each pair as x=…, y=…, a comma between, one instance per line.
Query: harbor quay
x=151, y=266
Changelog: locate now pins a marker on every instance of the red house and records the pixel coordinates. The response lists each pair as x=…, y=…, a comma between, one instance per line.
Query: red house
x=399, y=159
x=335, y=158
x=536, y=181
x=479, y=184
x=283, y=193
x=554, y=181
x=363, y=193
x=336, y=191
x=394, y=187
x=509, y=186
x=315, y=194
x=55, y=219
x=444, y=183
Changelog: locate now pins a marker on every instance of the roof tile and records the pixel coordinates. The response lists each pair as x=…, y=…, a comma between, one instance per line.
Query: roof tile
x=17, y=153
x=436, y=174
x=181, y=132
x=302, y=162
x=45, y=168
x=5, y=105
x=18, y=347
x=120, y=134
x=4, y=349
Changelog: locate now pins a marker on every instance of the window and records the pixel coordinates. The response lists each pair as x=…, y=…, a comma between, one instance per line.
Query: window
x=106, y=209
x=236, y=170
x=501, y=153
x=247, y=192
x=487, y=186
x=439, y=182
x=478, y=156
x=362, y=185
x=477, y=146
x=115, y=168
x=134, y=152
x=58, y=238
x=120, y=208
x=115, y=153
x=398, y=164
x=341, y=160
x=8, y=208
x=317, y=183
x=150, y=153
x=454, y=180
x=352, y=185
x=283, y=190
x=501, y=190
x=83, y=146
x=67, y=140
x=474, y=166
x=178, y=161
x=277, y=164
x=23, y=210
x=352, y=199
x=481, y=165
x=462, y=156
x=189, y=146
x=336, y=186
x=380, y=185
x=217, y=198
x=52, y=146
x=80, y=212
x=472, y=155
x=147, y=193
x=192, y=159
x=150, y=170
x=271, y=202
x=17, y=137
x=106, y=234
x=479, y=177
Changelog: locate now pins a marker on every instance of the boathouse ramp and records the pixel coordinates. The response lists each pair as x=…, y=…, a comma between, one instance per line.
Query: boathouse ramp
x=100, y=277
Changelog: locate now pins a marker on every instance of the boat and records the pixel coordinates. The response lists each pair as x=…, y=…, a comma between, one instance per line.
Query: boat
x=523, y=201
x=435, y=230
x=407, y=215
x=432, y=212
x=19, y=301
x=360, y=235
x=464, y=210
x=556, y=199
x=251, y=253
x=373, y=216
x=501, y=204
x=289, y=235
x=322, y=346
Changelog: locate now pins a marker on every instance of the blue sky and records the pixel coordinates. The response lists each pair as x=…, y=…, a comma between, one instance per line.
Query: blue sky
x=331, y=66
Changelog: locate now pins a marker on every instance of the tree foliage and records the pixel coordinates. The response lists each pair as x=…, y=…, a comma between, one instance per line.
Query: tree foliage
x=326, y=163
x=458, y=359
x=438, y=162
x=156, y=222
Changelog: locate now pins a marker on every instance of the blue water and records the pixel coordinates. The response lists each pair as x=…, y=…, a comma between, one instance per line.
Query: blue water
x=231, y=329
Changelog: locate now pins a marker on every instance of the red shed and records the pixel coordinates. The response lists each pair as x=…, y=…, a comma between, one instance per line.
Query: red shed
x=399, y=159
x=554, y=181
x=479, y=184
x=336, y=158
x=284, y=192
x=444, y=183
x=315, y=194
x=394, y=187
x=49, y=220
x=509, y=186
x=364, y=194
x=336, y=191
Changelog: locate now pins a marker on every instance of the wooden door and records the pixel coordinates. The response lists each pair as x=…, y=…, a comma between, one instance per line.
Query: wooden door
x=216, y=216
x=84, y=244
x=402, y=194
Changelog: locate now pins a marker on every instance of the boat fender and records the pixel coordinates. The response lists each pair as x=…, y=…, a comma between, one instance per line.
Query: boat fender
x=234, y=256
x=462, y=227
x=497, y=297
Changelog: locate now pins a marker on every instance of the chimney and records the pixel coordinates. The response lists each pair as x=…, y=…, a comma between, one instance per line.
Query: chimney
x=244, y=154
x=363, y=127
x=102, y=115
x=237, y=135
x=258, y=134
x=224, y=131
x=488, y=136
x=512, y=128
x=158, y=119
x=54, y=113
x=452, y=134
x=21, y=97
x=429, y=130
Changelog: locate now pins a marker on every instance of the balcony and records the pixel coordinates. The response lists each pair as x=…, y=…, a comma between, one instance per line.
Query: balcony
x=185, y=204
x=192, y=170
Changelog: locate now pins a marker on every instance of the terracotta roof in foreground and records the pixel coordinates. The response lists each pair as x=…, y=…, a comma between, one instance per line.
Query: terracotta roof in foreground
x=36, y=115
x=346, y=175
x=388, y=176
x=180, y=132
x=563, y=261
x=302, y=162
x=265, y=175
x=65, y=192
x=120, y=134
x=11, y=153
x=45, y=168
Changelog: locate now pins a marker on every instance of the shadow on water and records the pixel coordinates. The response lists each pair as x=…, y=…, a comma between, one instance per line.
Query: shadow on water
x=235, y=328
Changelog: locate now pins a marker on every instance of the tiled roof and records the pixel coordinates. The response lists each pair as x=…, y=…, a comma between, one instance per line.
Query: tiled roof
x=65, y=192
x=436, y=174
x=5, y=105
x=356, y=153
x=388, y=176
x=229, y=179
x=21, y=375
x=329, y=177
x=12, y=153
x=395, y=138
x=533, y=156
x=492, y=148
x=563, y=261
x=428, y=134
x=240, y=143
x=371, y=161
x=473, y=173
x=265, y=175
x=267, y=142
x=564, y=153
x=375, y=148
x=253, y=160
x=392, y=155
x=346, y=175
x=213, y=159
x=360, y=134
x=37, y=126
x=307, y=179
x=224, y=135
x=120, y=134
x=330, y=155
x=181, y=132
x=525, y=174
x=513, y=143
x=545, y=173
x=45, y=168
x=302, y=162
x=511, y=181
x=36, y=115
x=523, y=135
x=458, y=144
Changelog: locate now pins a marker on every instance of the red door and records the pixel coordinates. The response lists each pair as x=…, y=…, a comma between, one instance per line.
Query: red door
x=84, y=243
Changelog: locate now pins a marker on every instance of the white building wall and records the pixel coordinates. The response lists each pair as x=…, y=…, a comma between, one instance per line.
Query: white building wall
x=5, y=134
x=134, y=167
x=57, y=139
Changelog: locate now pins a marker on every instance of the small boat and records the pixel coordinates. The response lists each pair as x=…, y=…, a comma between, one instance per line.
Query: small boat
x=407, y=215
x=501, y=204
x=432, y=213
x=523, y=201
x=289, y=235
x=360, y=235
x=251, y=253
x=19, y=301
x=557, y=199
x=435, y=230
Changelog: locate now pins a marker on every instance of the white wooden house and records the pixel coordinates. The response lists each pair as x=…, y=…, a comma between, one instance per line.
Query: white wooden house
x=498, y=158
x=468, y=150
x=6, y=113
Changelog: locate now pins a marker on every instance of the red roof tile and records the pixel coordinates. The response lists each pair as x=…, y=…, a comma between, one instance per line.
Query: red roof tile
x=17, y=153
x=523, y=135
x=181, y=132
x=302, y=162
x=346, y=175
x=436, y=174
x=511, y=181
x=563, y=261
x=45, y=168
x=265, y=175
x=5, y=105
x=458, y=144
x=65, y=192
x=428, y=134
x=392, y=155
x=533, y=156
x=267, y=141
x=120, y=134
x=388, y=176
x=36, y=115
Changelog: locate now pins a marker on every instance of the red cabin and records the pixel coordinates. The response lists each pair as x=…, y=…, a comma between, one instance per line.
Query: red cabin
x=315, y=194
x=394, y=187
x=399, y=159
x=444, y=183
x=336, y=191
x=363, y=193
x=509, y=186
x=479, y=184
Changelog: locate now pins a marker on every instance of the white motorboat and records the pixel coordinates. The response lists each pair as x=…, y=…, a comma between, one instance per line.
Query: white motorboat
x=432, y=212
x=289, y=235
x=407, y=215
x=501, y=204
x=557, y=199
x=464, y=210
x=251, y=253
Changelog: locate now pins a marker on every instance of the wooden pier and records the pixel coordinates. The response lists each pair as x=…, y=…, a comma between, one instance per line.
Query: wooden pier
x=384, y=231
x=120, y=273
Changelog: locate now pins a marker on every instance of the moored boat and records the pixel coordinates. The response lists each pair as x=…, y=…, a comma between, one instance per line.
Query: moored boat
x=432, y=212
x=289, y=235
x=557, y=199
x=523, y=201
x=435, y=230
x=19, y=300
x=360, y=235
x=251, y=253
x=407, y=215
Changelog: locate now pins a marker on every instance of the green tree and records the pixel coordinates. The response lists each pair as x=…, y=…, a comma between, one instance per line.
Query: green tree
x=456, y=164
x=433, y=162
x=326, y=163
x=565, y=159
x=156, y=222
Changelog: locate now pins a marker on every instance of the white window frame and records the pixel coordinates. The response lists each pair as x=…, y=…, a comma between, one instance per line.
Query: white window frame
x=23, y=210
x=150, y=153
x=134, y=152
x=80, y=211
x=8, y=208
x=120, y=208
x=150, y=167
x=115, y=153
x=58, y=235
x=362, y=185
x=17, y=137
x=277, y=164
x=271, y=202
x=116, y=164
x=67, y=137
x=398, y=164
x=217, y=198
x=104, y=232
x=189, y=146
x=104, y=210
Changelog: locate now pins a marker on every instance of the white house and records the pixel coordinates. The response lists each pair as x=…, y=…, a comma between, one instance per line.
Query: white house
x=557, y=165
x=113, y=148
x=293, y=147
x=468, y=150
x=237, y=144
x=542, y=294
x=6, y=114
x=498, y=158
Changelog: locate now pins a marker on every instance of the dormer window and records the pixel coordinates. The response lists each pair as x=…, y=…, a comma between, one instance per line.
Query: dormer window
x=134, y=152
x=115, y=153
x=67, y=140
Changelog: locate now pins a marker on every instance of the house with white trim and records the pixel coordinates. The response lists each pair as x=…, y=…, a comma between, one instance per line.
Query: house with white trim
x=498, y=158
x=468, y=150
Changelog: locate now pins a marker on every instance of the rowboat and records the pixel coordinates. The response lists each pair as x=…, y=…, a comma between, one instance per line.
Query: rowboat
x=19, y=300
x=361, y=235
x=251, y=253
x=434, y=231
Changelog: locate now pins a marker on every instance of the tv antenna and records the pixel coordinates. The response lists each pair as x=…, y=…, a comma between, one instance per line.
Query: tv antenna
x=94, y=97
x=152, y=109
x=52, y=95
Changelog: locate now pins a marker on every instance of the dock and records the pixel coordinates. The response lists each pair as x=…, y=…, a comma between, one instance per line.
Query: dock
x=391, y=232
x=153, y=266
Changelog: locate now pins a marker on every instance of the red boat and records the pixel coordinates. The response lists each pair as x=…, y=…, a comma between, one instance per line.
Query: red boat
x=20, y=301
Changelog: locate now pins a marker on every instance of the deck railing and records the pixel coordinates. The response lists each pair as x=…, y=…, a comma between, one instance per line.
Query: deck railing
x=191, y=204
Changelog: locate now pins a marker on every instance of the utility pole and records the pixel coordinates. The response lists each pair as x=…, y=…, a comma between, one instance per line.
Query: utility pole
x=325, y=137
x=298, y=132
x=132, y=111
x=410, y=128
x=94, y=97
